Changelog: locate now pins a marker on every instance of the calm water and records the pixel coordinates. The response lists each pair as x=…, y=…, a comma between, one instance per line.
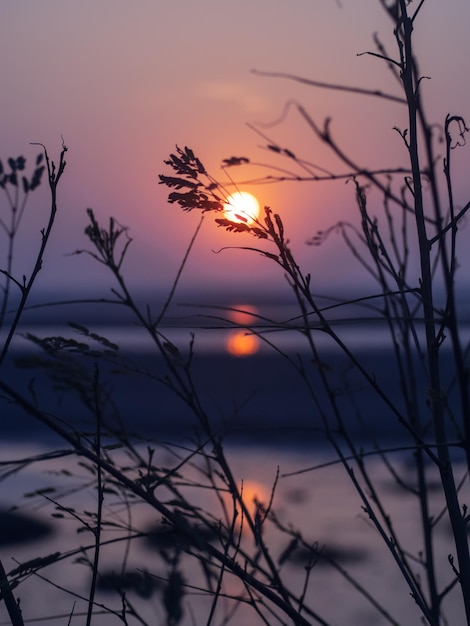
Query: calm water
x=255, y=397
x=320, y=503
x=265, y=411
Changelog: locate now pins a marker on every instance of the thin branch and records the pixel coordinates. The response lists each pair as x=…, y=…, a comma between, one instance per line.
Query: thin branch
x=331, y=86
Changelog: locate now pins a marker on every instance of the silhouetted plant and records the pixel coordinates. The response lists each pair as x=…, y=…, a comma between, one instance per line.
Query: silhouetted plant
x=126, y=473
x=17, y=187
x=404, y=303
x=16, y=199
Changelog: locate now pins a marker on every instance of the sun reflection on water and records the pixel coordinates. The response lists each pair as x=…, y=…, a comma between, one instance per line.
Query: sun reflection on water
x=242, y=342
x=255, y=497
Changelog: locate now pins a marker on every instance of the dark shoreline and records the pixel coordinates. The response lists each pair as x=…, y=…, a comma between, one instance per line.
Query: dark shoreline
x=255, y=400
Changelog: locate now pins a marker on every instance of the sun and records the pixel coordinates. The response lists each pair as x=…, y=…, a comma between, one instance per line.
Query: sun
x=241, y=206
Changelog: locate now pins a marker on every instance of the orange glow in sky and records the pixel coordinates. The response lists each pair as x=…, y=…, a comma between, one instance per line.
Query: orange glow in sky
x=148, y=79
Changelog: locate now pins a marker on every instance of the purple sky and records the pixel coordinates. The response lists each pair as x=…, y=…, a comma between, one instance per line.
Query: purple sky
x=123, y=82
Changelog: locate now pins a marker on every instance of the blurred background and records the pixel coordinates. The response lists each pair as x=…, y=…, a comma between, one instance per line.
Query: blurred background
x=121, y=84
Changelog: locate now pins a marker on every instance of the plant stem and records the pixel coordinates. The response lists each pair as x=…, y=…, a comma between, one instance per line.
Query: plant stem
x=409, y=72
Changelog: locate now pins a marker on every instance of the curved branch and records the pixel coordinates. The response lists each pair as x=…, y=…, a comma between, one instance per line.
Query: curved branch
x=316, y=83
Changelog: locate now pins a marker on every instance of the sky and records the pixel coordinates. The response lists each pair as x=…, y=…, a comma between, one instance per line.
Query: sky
x=124, y=82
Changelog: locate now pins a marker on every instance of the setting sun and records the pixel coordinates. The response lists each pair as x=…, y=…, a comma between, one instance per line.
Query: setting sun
x=241, y=206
